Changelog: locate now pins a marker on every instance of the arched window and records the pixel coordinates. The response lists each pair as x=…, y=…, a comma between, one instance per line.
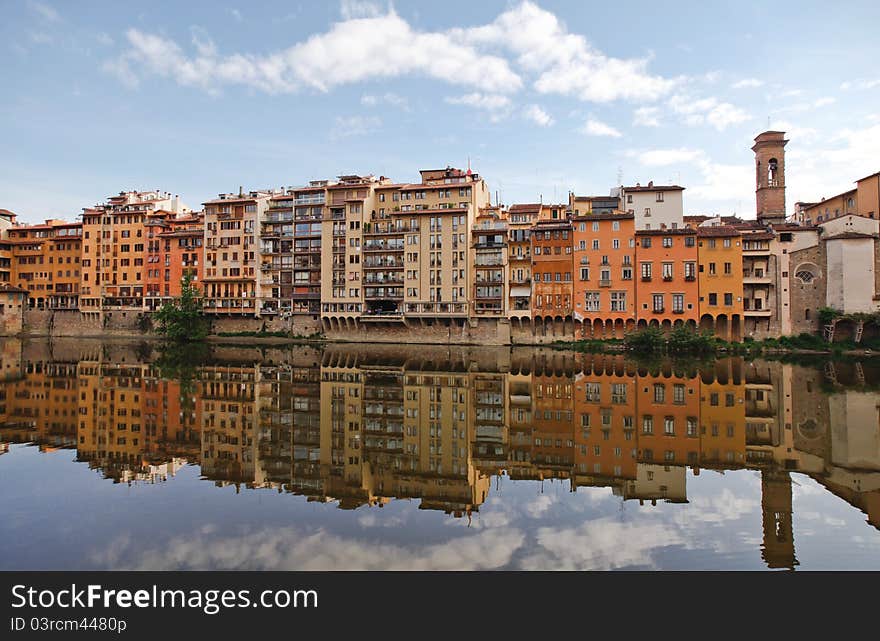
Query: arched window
x=772, y=172
x=850, y=203
x=807, y=314
x=805, y=275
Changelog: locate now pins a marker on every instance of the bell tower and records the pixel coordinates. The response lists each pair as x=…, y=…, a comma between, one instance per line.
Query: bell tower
x=769, y=151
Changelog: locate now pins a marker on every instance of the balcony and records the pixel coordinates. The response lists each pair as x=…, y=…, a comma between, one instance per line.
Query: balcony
x=754, y=279
x=667, y=279
x=659, y=310
x=605, y=283
x=646, y=279
x=757, y=313
x=436, y=309
x=678, y=311
x=309, y=200
x=690, y=278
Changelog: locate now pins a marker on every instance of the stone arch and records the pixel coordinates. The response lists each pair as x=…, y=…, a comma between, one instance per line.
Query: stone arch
x=707, y=323
x=806, y=273
x=722, y=327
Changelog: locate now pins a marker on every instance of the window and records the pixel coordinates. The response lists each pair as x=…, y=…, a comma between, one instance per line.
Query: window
x=659, y=196
x=667, y=241
x=689, y=241
x=728, y=269
x=585, y=273
x=678, y=303
x=659, y=393
x=626, y=273
x=713, y=299
x=712, y=268
x=678, y=394
x=728, y=299
x=646, y=271
x=591, y=301
x=805, y=276
x=618, y=301
x=657, y=300
x=646, y=241
x=669, y=426
x=647, y=424
x=667, y=271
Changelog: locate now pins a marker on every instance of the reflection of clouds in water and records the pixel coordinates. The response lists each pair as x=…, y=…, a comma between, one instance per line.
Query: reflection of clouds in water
x=537, y=507
x=602, y=544
x=293, y=549
x=723, y=506
x=371, y=519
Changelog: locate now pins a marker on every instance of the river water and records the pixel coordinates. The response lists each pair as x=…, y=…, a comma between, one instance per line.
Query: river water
x=120, y=455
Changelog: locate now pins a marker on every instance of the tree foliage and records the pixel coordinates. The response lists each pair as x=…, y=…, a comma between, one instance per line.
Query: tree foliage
x=181, y=319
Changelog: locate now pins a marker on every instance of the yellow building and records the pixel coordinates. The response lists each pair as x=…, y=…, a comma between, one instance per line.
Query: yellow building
x=720, y=256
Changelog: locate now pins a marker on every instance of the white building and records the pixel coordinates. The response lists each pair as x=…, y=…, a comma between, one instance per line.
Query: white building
x=654, y=206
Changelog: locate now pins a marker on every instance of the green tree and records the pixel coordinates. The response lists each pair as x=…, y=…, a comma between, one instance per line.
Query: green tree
x=181, y=319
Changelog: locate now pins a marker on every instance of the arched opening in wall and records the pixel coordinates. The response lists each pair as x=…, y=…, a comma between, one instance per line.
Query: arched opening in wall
x=806, y=273
x=807, y=314
x=721, y=326
x=558, y=326
x=735, y=328
x=618, y=328
x=692, y=324
x=772, y=172
x=666, y=325
x=707, y=323
x=568, y=326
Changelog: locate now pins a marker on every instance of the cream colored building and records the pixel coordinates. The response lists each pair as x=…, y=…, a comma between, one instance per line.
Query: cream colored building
x=231, y=282
x=654, y=206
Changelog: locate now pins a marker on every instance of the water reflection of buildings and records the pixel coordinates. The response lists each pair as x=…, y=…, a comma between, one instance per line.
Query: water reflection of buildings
x=362, y=426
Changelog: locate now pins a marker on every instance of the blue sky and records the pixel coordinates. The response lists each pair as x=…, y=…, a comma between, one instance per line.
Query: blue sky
x=197, y=98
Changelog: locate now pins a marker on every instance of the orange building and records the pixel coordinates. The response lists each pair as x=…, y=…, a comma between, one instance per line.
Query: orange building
x=174, y=248
x=520, y=219
x=552, y=267
x=667, y=290
x=721, y=280
x=605, y=439
x=552, y=426
x=668, y=416
x=604, y=285
x=46, y=262
x=114, y=250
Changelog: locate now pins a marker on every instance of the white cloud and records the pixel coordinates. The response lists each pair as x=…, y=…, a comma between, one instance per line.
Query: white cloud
x=348, y=53
x=236, y=14
x=598, y=128
x=646, y=117
x=699, y=111
x=496, y=105
x=388, y=98
x=862, y=83
x=355, y=9
x=348, y=126
x=44, y=11
x=536, y=114
x=566, y=63
x=747, y=83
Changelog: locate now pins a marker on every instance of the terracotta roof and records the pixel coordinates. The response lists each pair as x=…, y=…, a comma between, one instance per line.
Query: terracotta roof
x=761, y=235
x=6, y=212
x=654, y=188
x=866, y=177
x=603, y=216
x=525, y=208
x=697, y=218
x=717, y=231
x=793, y=227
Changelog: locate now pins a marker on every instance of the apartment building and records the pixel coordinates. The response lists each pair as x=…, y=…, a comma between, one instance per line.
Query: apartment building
x=113, y=265
x=520, y=219
x=604, y=268
x=490, y=285
x=232, y=254
x=552, y=269
x=175, y=249
x=667, y=289
x=654, y=206
x=46, y=262
x=7, y=220
x=385, y=238
x=668, y=419
x=719, y=249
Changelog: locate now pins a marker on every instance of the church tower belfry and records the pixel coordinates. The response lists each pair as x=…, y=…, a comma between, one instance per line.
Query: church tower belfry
x=769, y=151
